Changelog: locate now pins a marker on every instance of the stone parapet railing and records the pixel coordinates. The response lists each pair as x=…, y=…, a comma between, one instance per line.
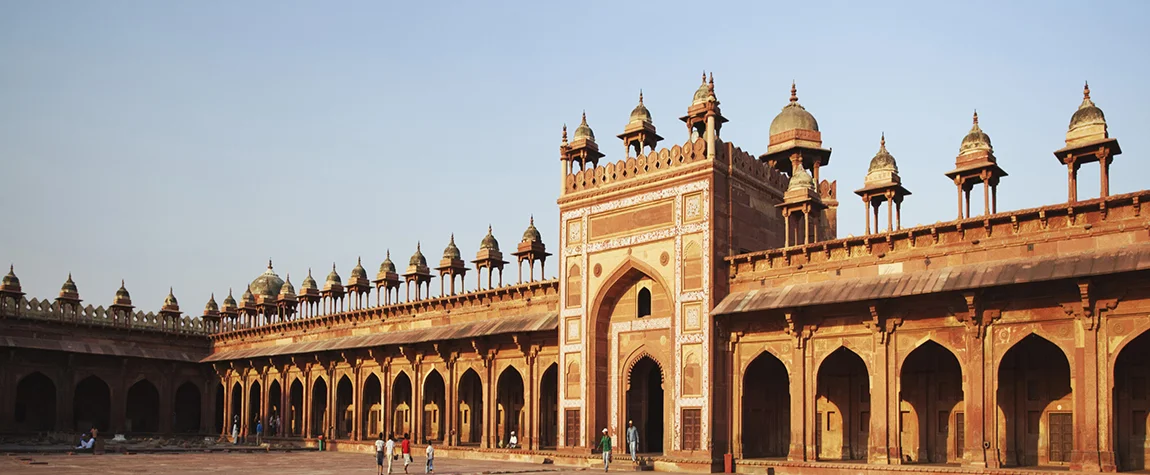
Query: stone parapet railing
x=1047, y=229
x=48, y=310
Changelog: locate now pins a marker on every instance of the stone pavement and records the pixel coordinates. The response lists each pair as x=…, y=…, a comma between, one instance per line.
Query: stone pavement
x=291, y=463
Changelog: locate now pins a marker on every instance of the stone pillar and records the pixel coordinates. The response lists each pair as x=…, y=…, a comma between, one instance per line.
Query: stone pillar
x=306, y=406
x=1093, y=449
x=65, y=400
x=488, y=402
x=884, y=421
x=451, y=400
x=118, y=399
x=976, y=399
x=417, y=399
x=167, y=395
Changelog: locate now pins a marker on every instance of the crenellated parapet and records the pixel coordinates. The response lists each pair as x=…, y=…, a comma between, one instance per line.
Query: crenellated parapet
x=48, y=310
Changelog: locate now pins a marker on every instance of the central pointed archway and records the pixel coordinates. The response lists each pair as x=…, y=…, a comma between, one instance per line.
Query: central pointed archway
x=766, y=408
x=842, y=417
x=434, y=400
x=646, y=407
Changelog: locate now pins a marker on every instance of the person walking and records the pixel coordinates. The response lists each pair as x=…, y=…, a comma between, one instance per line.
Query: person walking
x=430, y=459
x=236, y=430
x=389, y=451
x=605, y=444
x=379, y=447
x=632, y=440
x=259, y=432
x=405, y=449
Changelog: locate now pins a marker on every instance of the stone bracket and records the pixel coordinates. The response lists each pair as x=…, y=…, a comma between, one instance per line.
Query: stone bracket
x=974, y=316
x=1088, y=308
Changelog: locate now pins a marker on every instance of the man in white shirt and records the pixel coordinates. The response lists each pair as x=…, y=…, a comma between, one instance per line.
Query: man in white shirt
x=513, y=442
x=430, y=459
x=379, y=445
x=389, y=451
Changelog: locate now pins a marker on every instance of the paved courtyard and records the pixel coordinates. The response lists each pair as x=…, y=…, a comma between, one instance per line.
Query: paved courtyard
x=279, y=463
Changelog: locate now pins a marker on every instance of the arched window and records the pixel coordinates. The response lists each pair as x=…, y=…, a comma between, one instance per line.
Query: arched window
x=644, y=302
x=574, y=286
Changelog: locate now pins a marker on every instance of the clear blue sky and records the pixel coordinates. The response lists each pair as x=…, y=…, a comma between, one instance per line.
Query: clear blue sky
x=184, y=143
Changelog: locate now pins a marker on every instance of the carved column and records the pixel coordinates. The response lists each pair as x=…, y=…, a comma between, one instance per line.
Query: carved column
x=1093, y=448
x=802, y=381
x=883, y=444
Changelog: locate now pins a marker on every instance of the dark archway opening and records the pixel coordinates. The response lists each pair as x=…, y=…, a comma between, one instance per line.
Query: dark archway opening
x=766, y=408
x=187, y=409
x=1132, y=403
x=509, y=405
x=255, y=394
x=372, y=409
x=931, y=410
x=434, y=401
x=274, y=427
x=344, y=408
x=549, y=408
x=470, y=408
x=92, y=405
x=645, y=407
x=1035, y=398
x=295, y=416
x=237, y=407
x=142, y=412
x=842, y=407
x=401, y=405
x=35, y=404
x=219, y=409
x=643, y=306
x=319, y=420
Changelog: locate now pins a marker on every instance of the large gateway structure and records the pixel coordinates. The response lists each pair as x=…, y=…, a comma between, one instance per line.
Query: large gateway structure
x=703, y=293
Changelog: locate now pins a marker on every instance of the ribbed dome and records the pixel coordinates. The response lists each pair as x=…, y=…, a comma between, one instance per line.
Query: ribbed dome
x=703, y=93
x=333, y=277
x=417, y=259
x=451, y=252
x=247, y=298
x=532, y=234
x=793, y=116
x=229, y=302
x=801, y=180
x=170, y=300
x=287, y=290
x=10, y=281
x=358, y=272
x=584, y=131
x=212, y=306
x=1087, y=113
x=267, y=284
x=489, y=243
x=387, y=266
x=976, y=139
x=883, y=160
x=309, y=282
x=640, y=112
x=69, y=287
x=122, y=296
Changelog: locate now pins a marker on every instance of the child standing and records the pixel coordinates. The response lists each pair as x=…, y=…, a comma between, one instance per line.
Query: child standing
x=430, y=459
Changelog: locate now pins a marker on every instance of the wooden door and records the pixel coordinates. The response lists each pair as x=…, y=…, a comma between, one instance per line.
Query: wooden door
x=571, y=427
x=959, y=435
x=1061, y=436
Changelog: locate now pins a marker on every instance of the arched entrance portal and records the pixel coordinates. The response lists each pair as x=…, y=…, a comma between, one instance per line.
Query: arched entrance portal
x=237, y=406
x=319, y=419
x=143, y=408
x=645, y=404
x=401, y=405
x=434, y=400
x=549, y=408
x=372, y=407
x=295, y=411
x=1132, y=403
x=470, y=408
x=509, y=404
x=766, y=408
x=275, y=419
x=187, y=408
x=931, y=410
x=842, y=407
x=35, y=404
x=221, y=395
x=344, y=409
x=254, y=414
x=91, y=404
x=1035, y=399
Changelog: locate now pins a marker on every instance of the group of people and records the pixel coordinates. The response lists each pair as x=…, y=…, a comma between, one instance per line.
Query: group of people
x=273, y=425
x=632, y=444
x=385, y=451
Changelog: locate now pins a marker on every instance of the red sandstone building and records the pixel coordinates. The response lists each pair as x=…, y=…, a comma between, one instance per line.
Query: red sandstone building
x=703, y=294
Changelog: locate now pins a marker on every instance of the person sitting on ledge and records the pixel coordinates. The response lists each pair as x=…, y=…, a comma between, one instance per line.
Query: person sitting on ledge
x=86, y=442
x=513, y=442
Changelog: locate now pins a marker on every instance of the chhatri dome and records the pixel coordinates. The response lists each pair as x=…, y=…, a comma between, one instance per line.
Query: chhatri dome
x=69, y=287
x=976, y=139
x=800, y=179
x=704, y=92
x=417, y=259
x=883, y=161
x=532, y=234
x=489, y=243
x=309, y=283
x=387, y=266
x=267, y=284
x=584, y=131
x=288, y=290
x=451, y=252
x=1088, y=119
x=230, y=302
x=640, y=112
x=212, y=306
x=793, y=116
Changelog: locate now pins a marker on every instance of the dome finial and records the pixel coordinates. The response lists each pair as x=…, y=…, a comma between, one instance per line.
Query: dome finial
x=794, y=92
x=1086, y=90
x=269, y=263
x=882, y=141
x=640, y=96
x=712, y=81
x=976, y=117
x=333, y=267
x=388, y=254
x=359, y=260
x=532, y=219
x=488, y=229
x=704, y=76
x=564, y=134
